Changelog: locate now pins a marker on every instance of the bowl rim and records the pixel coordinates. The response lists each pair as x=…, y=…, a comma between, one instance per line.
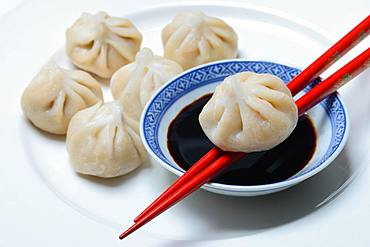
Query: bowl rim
x=245, y=188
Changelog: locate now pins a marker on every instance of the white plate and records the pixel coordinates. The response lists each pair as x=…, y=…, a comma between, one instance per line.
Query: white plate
x=41, y=194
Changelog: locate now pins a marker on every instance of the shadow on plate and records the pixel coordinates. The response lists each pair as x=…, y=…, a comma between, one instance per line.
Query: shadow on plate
x=114, y=182
x=109, y=182
x=247, y=215
x=242, y=216
x=43, y=134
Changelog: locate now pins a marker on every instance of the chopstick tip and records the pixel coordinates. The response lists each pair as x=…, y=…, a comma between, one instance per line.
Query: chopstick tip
x=133, y=228
x=123, y=235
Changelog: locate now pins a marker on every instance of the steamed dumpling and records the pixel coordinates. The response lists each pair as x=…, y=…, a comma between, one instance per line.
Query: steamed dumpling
x=134, y=84
x=56, y=94
x=249, y=112
x=194, y=38
x=102, y=44
x=102, y=142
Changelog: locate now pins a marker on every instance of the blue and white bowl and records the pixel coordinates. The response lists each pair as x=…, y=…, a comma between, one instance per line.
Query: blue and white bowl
x=329, y=117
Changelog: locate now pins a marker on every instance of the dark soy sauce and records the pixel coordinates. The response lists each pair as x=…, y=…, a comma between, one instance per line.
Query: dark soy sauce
x=187, y=144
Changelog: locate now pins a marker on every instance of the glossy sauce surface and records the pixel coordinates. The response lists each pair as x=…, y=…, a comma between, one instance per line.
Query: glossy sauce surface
x=187, y=144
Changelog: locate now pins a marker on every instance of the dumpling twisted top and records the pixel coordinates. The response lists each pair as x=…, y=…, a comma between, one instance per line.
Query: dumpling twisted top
x=102, y=142
x=134, y=84
x=56, y=94
x=194, y=38
x=249, y=112
x=102, y=44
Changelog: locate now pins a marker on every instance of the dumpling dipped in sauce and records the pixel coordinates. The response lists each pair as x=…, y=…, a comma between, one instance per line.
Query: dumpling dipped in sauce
x=249, y=112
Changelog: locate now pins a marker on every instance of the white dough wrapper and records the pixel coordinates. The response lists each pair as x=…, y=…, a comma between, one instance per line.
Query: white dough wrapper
x=249, y=112
x=102, y=142
x=134, y=84
x=56, y=94
x=101, y=44
x=194, y=38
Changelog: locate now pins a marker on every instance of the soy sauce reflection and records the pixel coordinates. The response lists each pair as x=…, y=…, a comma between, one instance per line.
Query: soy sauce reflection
x=187, y=144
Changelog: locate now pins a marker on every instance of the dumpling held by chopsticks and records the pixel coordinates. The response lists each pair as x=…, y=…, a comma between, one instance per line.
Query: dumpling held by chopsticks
x=249, y=112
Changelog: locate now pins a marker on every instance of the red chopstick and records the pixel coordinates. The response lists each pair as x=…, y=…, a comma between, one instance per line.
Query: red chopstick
x=331, y=56
x=212, y=155
x=295, y=86
x=351, y=69
x=203, y=171
x=195, y=183
x=333, y=82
